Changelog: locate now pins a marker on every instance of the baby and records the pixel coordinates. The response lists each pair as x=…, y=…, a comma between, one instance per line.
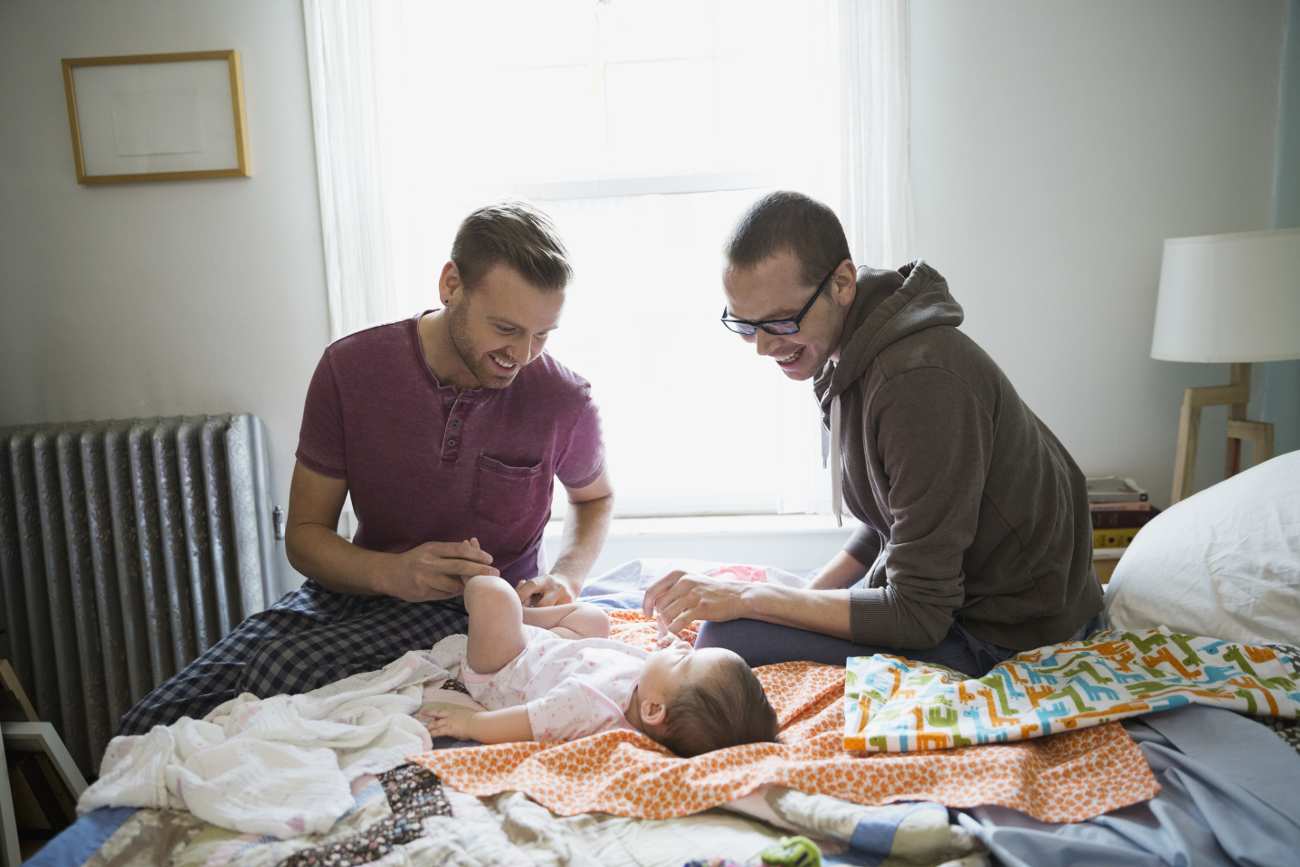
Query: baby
x=553, y=674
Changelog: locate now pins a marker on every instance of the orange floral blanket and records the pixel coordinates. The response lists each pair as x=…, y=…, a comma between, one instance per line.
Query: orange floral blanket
x=1062, y=778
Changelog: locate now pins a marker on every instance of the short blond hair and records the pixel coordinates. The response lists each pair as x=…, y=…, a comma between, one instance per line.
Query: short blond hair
x=514, y=233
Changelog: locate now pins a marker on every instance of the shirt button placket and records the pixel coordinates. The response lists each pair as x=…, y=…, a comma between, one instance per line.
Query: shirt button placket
x=451, y=436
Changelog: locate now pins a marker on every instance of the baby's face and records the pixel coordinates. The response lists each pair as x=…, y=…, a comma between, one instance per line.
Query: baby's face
x=668, y=669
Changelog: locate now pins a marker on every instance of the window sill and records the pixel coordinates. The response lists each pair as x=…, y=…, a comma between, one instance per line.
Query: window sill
x=795, y=543
x=711, y=524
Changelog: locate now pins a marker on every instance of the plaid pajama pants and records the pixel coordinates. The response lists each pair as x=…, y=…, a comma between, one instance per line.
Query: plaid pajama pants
x=310, y=637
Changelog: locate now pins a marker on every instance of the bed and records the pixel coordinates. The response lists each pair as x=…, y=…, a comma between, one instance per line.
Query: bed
x=1193, y=784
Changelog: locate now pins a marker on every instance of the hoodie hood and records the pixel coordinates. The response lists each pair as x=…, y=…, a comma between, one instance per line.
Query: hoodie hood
x=888, y=306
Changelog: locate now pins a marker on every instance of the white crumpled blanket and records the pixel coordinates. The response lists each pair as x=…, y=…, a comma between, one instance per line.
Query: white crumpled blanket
x=281, y=766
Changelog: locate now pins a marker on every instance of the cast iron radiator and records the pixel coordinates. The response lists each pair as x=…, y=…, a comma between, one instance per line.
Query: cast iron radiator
x=127, y=548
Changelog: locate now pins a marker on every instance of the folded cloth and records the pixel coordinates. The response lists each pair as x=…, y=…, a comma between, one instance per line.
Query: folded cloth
x=898, y=705
x=1065, y=778
x=280, y=766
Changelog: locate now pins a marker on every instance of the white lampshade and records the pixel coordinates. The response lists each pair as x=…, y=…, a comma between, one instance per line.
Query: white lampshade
x=1233, y=298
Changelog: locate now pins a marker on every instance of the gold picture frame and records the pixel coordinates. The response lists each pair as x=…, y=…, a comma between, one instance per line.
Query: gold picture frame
x=157, y=117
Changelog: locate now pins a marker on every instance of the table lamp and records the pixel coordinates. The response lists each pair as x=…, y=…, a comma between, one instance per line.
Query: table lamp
x=1227, y=298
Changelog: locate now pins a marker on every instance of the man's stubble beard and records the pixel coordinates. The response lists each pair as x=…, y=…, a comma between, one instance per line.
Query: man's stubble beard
x=458, y=332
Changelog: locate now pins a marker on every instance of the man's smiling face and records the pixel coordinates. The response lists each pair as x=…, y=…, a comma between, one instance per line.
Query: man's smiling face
x=501, y=324
x=776, y=289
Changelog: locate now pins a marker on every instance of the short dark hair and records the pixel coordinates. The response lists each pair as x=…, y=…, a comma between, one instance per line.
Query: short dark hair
x=789, y=222
x=517, y=234
x=726, y=709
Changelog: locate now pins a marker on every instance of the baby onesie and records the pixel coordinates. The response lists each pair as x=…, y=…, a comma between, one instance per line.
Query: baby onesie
x=571, y=688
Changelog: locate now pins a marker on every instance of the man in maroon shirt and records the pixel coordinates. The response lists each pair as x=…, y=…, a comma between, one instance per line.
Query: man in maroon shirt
x=447, y=430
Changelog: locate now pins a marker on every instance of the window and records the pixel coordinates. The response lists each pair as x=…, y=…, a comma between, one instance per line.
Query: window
x=644, y=128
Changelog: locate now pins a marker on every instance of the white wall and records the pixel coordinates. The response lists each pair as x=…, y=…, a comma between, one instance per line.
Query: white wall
x=1055, y=145
x=159, y=298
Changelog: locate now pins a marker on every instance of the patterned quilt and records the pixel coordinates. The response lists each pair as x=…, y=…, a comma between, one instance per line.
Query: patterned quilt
x=893, y=705
x=407, y=817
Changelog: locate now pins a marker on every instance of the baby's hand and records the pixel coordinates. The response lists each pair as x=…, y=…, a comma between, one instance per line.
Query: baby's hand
x=453, y=722
x=666, y=638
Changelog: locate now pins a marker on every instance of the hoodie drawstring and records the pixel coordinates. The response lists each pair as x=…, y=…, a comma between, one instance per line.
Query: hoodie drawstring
x=832, y=440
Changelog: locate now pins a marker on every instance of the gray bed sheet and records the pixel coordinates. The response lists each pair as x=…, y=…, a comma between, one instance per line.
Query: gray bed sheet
x=1230, y=796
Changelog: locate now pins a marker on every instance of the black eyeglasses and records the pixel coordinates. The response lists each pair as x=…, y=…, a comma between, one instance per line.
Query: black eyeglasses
x=777, y=326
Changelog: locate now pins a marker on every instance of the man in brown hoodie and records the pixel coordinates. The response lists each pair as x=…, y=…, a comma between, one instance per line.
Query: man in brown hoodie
x=975, y=542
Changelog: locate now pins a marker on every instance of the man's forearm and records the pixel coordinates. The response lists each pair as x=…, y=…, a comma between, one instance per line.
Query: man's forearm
x=333, y=562
x=585, y=527
x=824, y=611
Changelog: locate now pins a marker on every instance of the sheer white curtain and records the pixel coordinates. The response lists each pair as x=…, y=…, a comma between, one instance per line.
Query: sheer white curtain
x=875, y=181
x=343, y=70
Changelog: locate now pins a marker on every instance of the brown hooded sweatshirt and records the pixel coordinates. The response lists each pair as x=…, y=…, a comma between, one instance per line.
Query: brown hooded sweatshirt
x=969, y=504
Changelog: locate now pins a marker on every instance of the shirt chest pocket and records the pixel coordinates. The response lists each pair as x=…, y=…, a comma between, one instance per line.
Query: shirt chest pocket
x=506, y=494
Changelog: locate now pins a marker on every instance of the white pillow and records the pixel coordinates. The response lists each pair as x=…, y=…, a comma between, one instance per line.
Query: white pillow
x=1224, y=563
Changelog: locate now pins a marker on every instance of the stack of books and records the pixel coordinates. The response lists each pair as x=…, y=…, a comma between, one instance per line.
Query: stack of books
x=1120, y=507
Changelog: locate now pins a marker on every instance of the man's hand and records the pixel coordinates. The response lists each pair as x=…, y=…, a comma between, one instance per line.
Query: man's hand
x=546, y=590
x=453, y=722
x=682, y=597
x=435, y=570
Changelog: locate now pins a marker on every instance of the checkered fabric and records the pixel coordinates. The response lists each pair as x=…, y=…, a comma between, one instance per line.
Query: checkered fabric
x=310, y=637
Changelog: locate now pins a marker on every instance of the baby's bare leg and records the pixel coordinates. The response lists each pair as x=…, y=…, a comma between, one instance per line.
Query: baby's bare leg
x=574, y=620
x=496, y=624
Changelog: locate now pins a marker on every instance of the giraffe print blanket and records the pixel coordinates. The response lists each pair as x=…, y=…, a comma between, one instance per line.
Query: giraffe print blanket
x=892, y=705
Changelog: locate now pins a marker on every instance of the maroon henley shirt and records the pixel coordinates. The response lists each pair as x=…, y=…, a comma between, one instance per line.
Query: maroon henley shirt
x=425, y=462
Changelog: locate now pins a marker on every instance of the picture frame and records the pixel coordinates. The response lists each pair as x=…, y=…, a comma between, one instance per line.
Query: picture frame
x=157, y=117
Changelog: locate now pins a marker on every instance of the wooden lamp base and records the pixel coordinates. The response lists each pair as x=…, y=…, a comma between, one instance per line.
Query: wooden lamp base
x=1235, y=396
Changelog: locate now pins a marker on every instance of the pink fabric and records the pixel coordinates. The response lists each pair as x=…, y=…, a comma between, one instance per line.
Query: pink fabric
x=426, y=463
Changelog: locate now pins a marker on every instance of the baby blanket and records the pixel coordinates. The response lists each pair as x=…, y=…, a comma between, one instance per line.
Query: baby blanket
x=1063, y=779
x=280, y=766
x=895, y=705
